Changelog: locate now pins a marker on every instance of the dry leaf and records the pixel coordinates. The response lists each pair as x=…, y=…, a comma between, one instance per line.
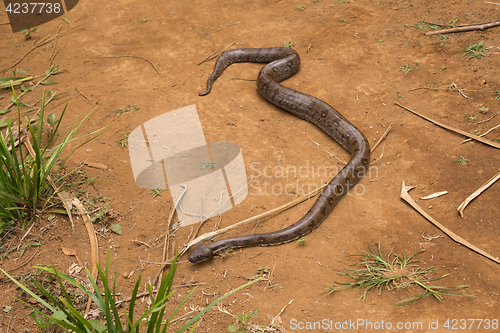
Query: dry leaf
x=96, y=165
x=69, y=252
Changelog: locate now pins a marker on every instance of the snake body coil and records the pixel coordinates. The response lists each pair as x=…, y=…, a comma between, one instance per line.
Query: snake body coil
x=284, y=62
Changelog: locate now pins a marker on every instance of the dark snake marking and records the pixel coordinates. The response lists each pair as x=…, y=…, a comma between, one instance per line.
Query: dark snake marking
x=284, y=62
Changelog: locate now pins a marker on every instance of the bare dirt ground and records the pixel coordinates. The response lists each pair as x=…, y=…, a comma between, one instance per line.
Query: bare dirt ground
x=352, y=56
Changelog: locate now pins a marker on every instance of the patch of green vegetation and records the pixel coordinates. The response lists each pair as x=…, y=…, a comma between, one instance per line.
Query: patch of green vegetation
x=379, y=40
x=155, y=192
x=207, y=165
x=475, y=50
x=289, y=44
x=393, y=272
x=242, y=321
x=406, y=69
x=27, y=32
x=123, y=140
x=129, y=108
x=470, y=118
x=462, y=160
x=67, y=315
x=302, y=240
x=24, y=178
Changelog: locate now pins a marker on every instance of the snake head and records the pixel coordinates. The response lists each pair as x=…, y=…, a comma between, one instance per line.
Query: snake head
x=201, y=253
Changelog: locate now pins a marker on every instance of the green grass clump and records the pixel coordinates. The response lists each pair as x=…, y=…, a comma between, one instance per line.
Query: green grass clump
x=23, y=178
x=391, y=272
x=24, y=174
x=475, y=50
x=65, y=315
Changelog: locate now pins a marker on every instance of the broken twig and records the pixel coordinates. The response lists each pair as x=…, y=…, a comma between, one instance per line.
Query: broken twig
x=470, y=27
x=406, y=197
x=488, y=131
x=476, y=193
x=125, y=56
x=382, y=137
x=469, y=135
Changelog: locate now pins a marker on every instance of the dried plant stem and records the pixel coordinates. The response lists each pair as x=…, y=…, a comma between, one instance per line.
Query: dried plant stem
x=406, y=197
x=477, y=193
x=463, y=28
x=469, y=135
x=382, y=137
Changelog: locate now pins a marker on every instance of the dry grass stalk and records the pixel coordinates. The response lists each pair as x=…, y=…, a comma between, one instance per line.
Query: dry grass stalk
x=477, y=193
x=406, y=197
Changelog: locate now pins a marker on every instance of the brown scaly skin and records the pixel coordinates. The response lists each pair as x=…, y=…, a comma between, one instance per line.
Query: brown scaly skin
x=284, y=62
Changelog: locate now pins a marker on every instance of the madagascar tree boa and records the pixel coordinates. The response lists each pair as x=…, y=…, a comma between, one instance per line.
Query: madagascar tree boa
x=283, y=62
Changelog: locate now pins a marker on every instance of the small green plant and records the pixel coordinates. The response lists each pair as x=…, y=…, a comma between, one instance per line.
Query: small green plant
x=475, y=50
x=342, y=20
x=129, y=108
x=242, y=321
x=462, y=160
x=379, y=40
x=497, y=97
x=470, y=118
x=301, y=241
x=302, y=7
x=377, y=3
x=406, y=69
x=65, y=315
x=421, y=25
x=261, y=272
x=483, y=110
x=27, y=32
x=155, y=192
x=122, y=141
x=144, y=20
x=207, y=165
x=453, y=20
x=19, y=45
x=289, y=44
x=392, y=272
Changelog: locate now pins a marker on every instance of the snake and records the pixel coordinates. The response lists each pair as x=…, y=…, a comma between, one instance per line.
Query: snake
x=282, y=63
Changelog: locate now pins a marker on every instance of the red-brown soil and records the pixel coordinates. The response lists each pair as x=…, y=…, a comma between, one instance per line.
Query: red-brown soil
x=352, y=53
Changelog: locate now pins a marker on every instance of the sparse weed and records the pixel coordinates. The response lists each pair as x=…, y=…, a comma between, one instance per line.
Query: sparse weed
x=406, y=69
x=301, y=241
x=470, y=118
x=129, y=108
x=475, y=50
x=462, y=160
x=392, y=272
x=155, y=192
x=242, y=321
